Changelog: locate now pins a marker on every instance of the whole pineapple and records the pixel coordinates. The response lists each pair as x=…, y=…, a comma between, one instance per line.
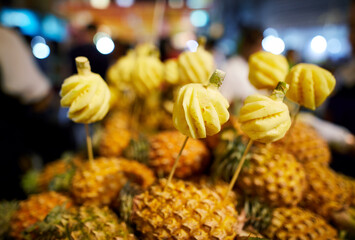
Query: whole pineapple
x=82, y=223
x=184, y=210
x=35, y=209
x=54, y=171
x=305, y=144
x=113, y=141
x=326, y=192
x=164, y=148
x=269, y=173
x=100, y=181
x=287, y=223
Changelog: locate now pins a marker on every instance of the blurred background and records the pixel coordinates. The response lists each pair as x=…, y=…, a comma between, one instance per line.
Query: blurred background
x=316, y=29
x=312, y=31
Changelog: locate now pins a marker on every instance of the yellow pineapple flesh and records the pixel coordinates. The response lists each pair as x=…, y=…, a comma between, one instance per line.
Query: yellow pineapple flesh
x=164, y=148
x=184, y=210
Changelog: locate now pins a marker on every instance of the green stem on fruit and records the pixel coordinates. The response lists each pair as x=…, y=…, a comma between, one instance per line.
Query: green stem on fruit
x=176, y=162
x=217, y=78
x=88, y=143
x=239, y=168
x=279, y=91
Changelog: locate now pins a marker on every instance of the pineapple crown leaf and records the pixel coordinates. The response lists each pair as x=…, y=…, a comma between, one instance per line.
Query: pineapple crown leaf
x=228, y=154
x=258, y=214
x=29, y=181
x=138, y=149
x=62, y=182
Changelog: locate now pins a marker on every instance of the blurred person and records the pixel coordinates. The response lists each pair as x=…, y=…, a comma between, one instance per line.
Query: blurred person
x=85, y=47
x=236, y=85
x=29, y=124
x=341, y=105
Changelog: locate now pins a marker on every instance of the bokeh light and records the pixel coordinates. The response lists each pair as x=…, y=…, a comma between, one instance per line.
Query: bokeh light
x=41, y=50
x=192, y=45
x=273, y=44
x=105, y=45
x=318, y=44
x=37, y=39
x=176, y=3
x=270, y=32
x=199, y=18
x=125, y=3
x=100, y=4
x=334, y=46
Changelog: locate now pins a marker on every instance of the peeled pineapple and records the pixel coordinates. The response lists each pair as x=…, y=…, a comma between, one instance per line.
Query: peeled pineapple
x=82, y=223
x=195, y=67
x=306, y=144
x=267, y=69
x=266, y=119
x=184, y=211
x=309, y=84
x=165, y=146
x=171, y=71
x=35, y=209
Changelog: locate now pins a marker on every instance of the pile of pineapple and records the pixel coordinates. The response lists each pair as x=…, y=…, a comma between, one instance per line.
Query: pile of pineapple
x=286, y=189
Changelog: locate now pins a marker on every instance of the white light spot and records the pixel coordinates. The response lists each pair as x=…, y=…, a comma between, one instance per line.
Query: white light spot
x=192, y=45
x=270, y=32
x=199, y=18
x=125, y=3
x=41, y=50
x=100, y=4
x=37, y=39
x=334, y=46
x=105, y=45
x=318, y=44
x=273, y=44
x=176, y=3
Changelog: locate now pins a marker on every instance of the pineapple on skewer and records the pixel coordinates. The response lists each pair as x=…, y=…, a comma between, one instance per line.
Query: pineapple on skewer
x=184, y=211
x=35, y=209
x=164, y=148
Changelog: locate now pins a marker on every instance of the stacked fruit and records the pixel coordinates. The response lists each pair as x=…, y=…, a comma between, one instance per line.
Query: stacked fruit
x=285, y=189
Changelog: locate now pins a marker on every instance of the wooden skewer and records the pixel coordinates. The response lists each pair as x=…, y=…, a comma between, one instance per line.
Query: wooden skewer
x=176, y=163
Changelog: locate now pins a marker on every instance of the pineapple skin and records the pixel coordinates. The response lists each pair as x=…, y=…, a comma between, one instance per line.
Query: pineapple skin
x=80, y=223
x=99, y=182
x=35, y=209
x=164, y=149
x=296, y=223
x=326, y=192
x=305, y=144
x=274, y=176
x=113, y=141
x=184, y=211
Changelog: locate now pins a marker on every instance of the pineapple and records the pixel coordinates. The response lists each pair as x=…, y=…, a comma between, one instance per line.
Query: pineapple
x=53, y=172
x=35, y=209
x=7, y=209
x=270, y=174
x=326, y=192
x=184, y=210
x=350, y=185
x=82, y=223
x=165, y=147
x=305, y=144
x=100, y=181
x=138, y=149
x=287, y=223
x=113, y=141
